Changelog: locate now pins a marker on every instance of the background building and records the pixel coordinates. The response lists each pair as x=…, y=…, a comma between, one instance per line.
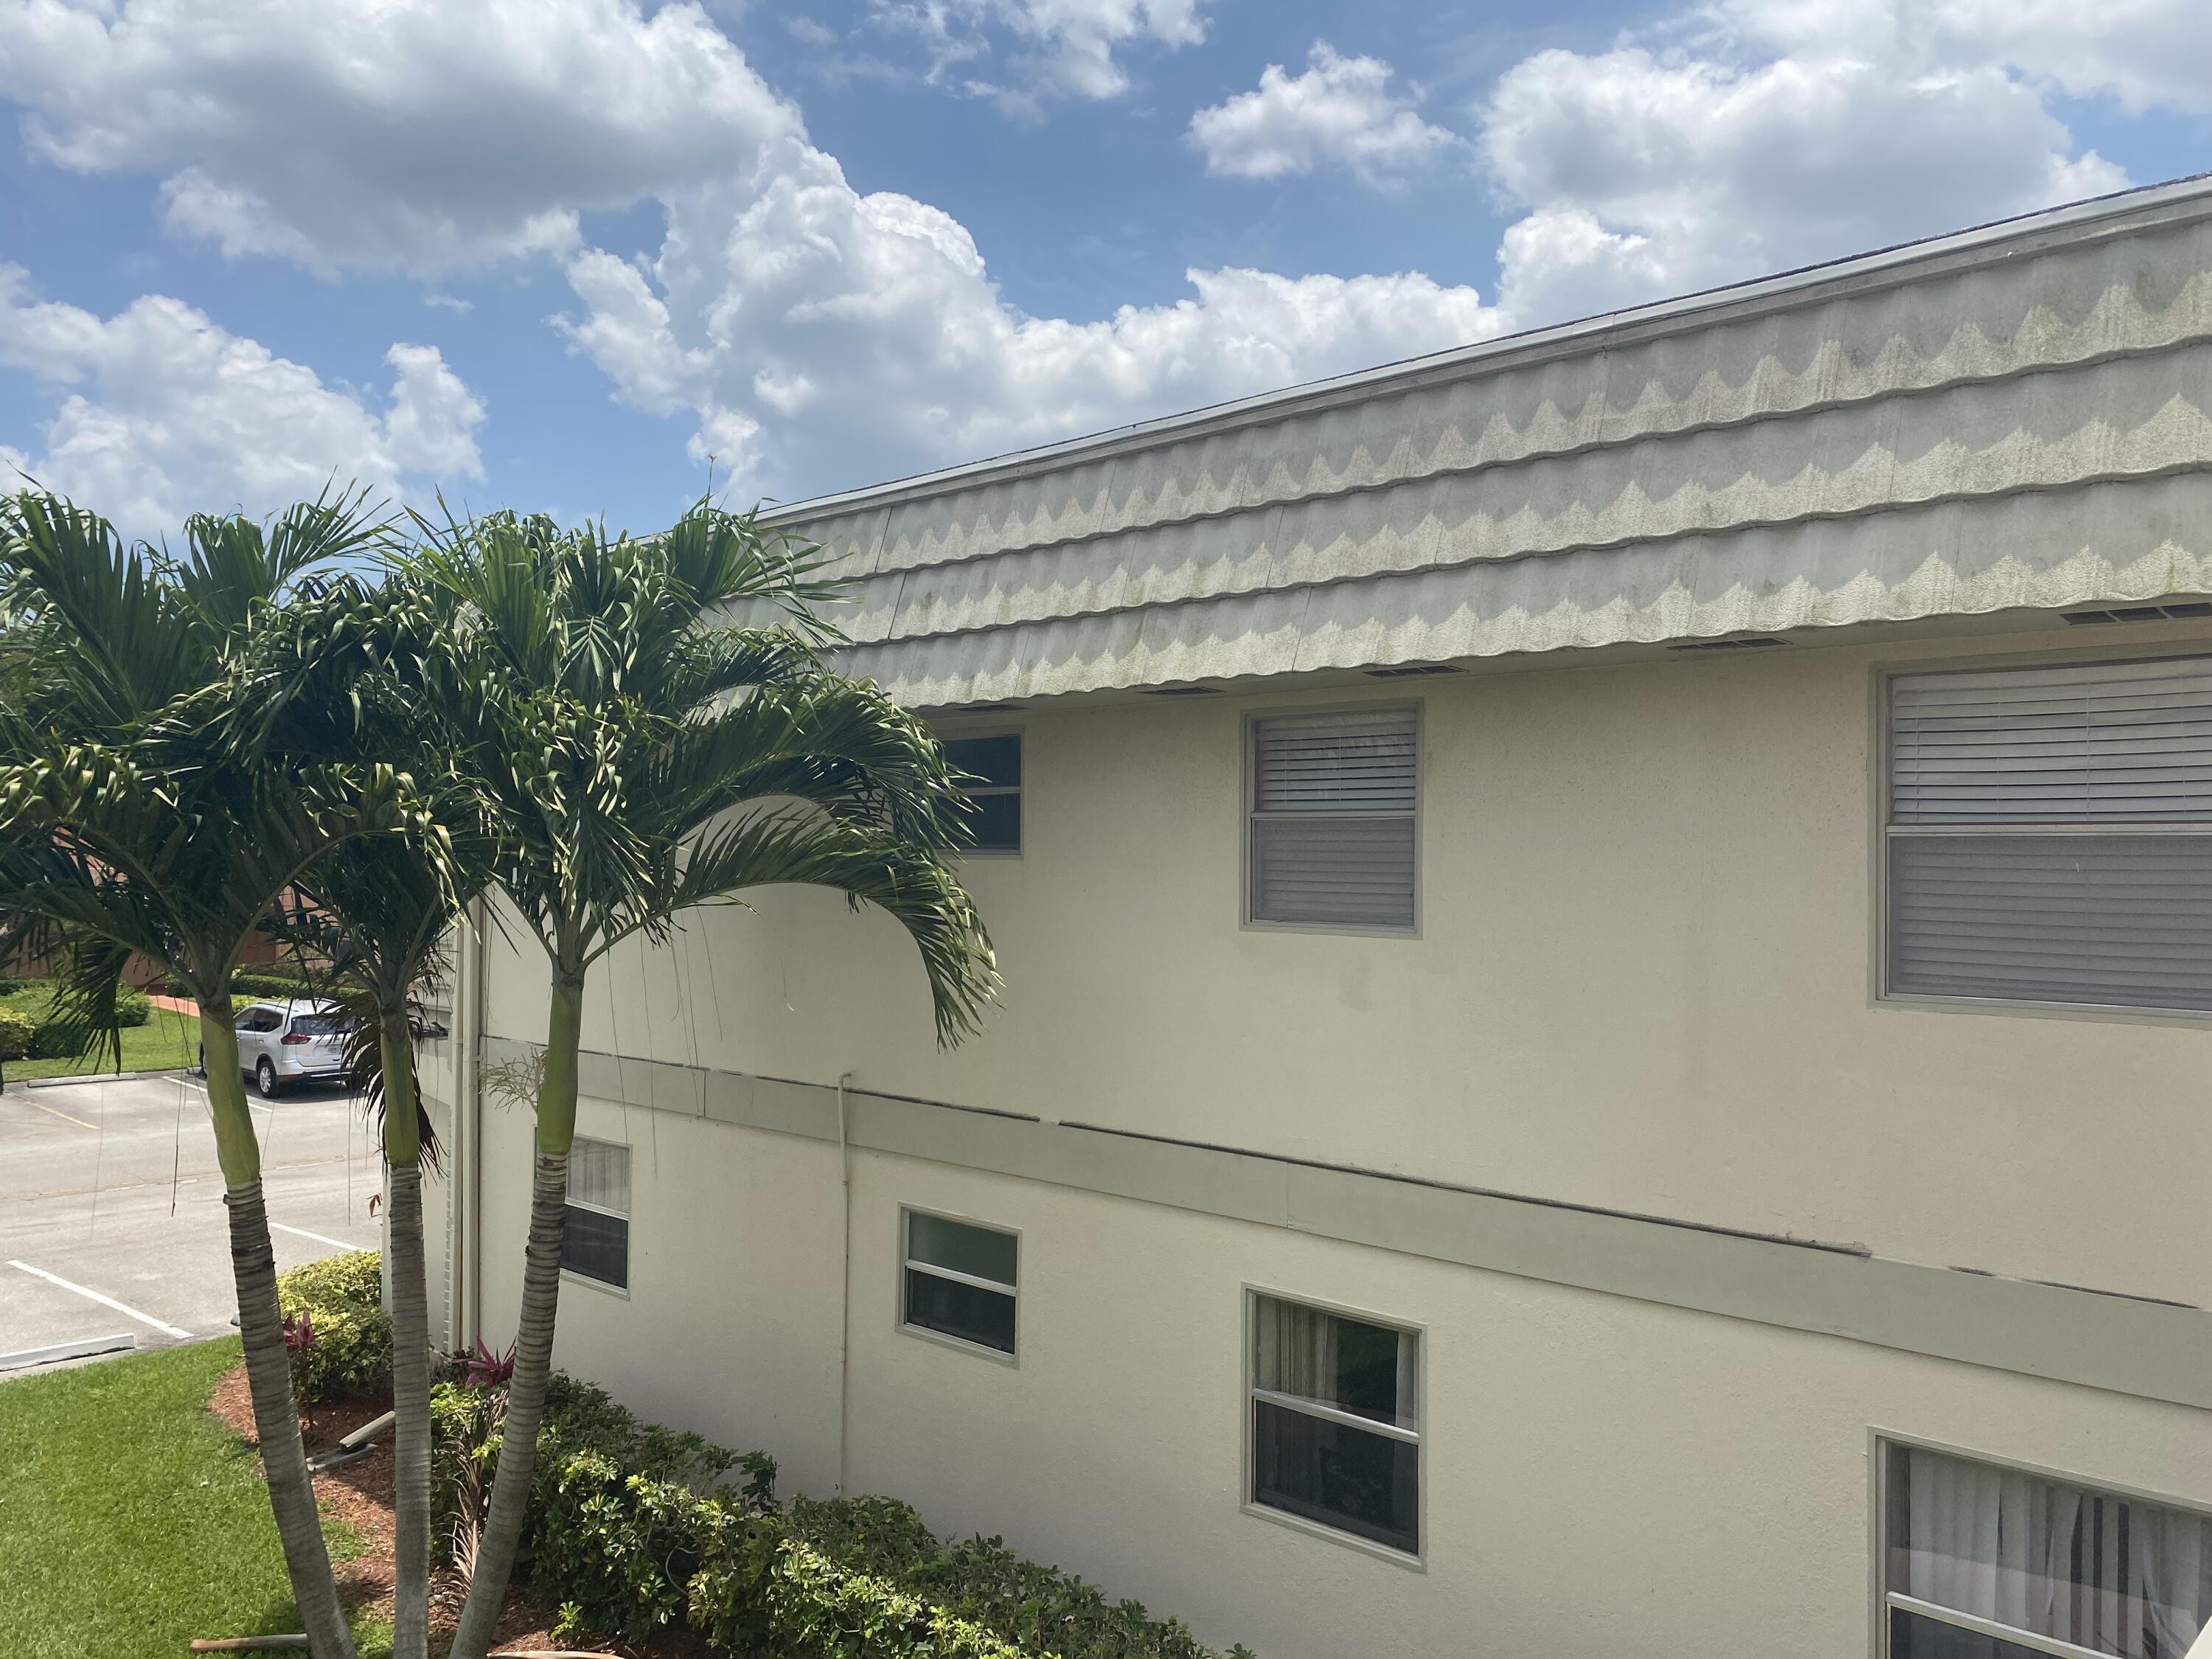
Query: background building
x=1609, y=939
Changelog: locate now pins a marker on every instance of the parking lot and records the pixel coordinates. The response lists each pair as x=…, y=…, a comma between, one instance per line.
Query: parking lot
x=111, y=1218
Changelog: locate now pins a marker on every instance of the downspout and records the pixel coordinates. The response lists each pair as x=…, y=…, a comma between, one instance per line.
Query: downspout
x=845, y=1299
x=474, y=1329
x=457, y=1128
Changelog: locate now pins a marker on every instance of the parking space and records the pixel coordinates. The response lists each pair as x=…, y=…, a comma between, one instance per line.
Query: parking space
x=111, y=1218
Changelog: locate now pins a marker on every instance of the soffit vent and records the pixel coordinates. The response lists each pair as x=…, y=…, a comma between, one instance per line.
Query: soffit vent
x=1419, y=671
x=1755, y=643
x=2173, y=611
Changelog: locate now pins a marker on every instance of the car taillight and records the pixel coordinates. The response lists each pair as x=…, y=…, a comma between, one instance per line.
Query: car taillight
x=296, y=1036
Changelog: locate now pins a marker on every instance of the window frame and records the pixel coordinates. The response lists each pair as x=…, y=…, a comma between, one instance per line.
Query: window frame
x=1020, y=735
x=1881, y=801
x=627, y=1217
x=1249, y=1392
x=905, y=1263
x=1248, y=813
x=1880, y=1595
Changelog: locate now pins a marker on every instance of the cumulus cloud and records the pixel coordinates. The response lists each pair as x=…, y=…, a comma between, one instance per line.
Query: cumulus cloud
x=826, y=337
x=1067, y=48
x=1341, y=112
x=164, y=413
x=1651, y=172
x=412, y=135
x=2142, y=54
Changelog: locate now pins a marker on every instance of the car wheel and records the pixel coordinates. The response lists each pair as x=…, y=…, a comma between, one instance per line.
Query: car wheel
x=265, y=1079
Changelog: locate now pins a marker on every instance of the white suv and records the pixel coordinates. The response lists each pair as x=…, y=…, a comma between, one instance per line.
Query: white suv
x=280, y=1043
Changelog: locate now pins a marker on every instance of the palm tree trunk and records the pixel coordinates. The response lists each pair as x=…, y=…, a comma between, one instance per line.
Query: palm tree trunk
x=261, y=1326
x=533, y=1339
x=411, y=1346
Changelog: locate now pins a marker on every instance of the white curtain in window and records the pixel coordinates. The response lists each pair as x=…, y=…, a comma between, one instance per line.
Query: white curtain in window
x=1296, y=1351
x=2122, y=1577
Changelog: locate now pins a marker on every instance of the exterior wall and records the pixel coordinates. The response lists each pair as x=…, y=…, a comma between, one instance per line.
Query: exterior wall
x=1600, y=1475
x=1643, y=979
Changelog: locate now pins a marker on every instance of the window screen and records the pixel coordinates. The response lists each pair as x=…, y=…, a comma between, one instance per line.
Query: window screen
x=2051, y=833
x=1332, y=818
x=1987, y=1562
x=994, y=787
x=960, y=1280
x=1335, y=1426
x=595, y=1239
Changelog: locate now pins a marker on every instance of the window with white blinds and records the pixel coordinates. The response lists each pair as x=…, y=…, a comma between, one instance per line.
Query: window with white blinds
x=595, y=1233
x=2051, y=833
x=1332, y=818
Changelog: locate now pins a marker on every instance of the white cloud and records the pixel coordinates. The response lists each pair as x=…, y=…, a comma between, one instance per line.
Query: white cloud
x=1341, y=112
x=416, y=135
x=2143, y=53
x=163, y=413
x=830, y=337
x=1057, y=47
x=1655, y=173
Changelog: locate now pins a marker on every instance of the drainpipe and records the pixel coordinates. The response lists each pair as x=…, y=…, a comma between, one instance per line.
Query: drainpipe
x=845, y=1298
x=473, y=1331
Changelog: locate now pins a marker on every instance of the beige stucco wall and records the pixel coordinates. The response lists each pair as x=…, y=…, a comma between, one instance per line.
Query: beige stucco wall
x=1643, y=979
x=1602, y=1476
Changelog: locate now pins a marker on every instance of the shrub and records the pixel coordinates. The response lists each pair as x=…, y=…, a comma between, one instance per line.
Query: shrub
x=339, y=1300
x=635, y=1527
x=246, y=983
x=16, y=1035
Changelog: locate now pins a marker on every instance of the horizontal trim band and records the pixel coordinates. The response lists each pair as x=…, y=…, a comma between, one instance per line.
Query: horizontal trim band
x=2128, y=1345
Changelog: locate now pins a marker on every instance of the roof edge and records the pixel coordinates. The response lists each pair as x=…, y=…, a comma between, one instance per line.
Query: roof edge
x=2178, y=201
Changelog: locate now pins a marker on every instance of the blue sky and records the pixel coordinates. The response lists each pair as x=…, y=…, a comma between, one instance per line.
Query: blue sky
x=555, y=254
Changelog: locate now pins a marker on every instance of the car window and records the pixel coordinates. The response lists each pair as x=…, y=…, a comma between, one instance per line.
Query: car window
x=261, y=1020
x=318, y=1025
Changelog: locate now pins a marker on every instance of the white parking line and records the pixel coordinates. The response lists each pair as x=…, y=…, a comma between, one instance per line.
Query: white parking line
x=105, y=1301
x=320, y=1238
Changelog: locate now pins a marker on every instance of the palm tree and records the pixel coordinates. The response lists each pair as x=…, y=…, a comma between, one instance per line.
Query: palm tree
x=642, y=755
x=129, y=827
x=372, y=916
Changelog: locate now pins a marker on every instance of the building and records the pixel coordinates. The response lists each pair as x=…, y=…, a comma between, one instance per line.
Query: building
x=1609, y=945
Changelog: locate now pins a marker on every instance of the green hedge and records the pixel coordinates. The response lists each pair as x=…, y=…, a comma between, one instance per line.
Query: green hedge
x=33, y=999
x=338, y=1334
x=246, y=983
x=18, y=1031
x=634, y=1527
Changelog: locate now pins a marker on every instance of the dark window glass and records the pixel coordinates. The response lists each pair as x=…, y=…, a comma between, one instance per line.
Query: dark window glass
x=1913, y=1637
x=318, y=1024
x=1340, y=1476
x=996, y=823
x=957, y=1247
x=994, y=789
x=967, y=1311
x=991, y=762
x=596, y=1246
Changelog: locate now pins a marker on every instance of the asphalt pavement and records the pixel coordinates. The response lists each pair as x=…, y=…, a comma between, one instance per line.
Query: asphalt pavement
x=112, y=1221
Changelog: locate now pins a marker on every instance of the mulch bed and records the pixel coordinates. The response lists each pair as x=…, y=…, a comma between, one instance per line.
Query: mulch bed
x=359, y=1494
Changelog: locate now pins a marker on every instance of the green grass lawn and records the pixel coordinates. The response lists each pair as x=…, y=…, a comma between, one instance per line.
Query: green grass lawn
x=131, y=1519
x=164, y=1042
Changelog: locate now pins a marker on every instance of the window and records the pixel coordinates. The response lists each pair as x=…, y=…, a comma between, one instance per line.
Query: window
x=961, y=1280
x=595, y=1243
x=262, y=1019
x=1332, y=819
x=2049, y=834
x=995, y=786
x=1335, y=1423
x=1988, y=1563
